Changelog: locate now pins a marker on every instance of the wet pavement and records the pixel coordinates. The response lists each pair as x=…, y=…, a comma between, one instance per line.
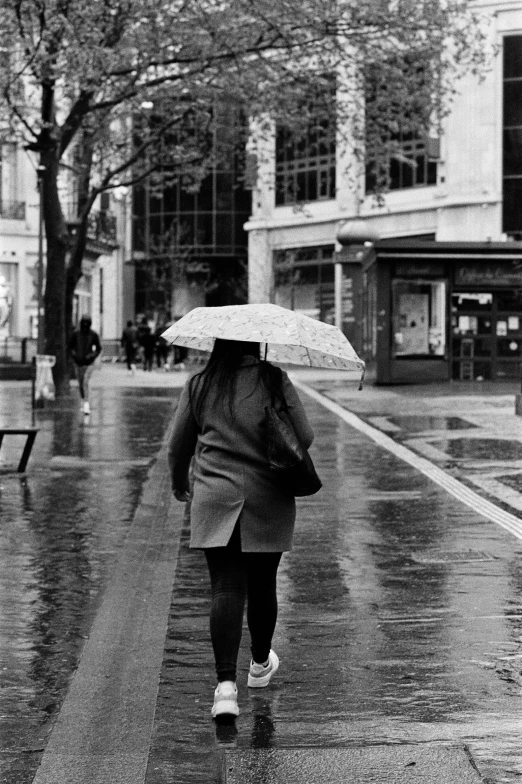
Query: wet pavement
x=400, y=626
x=62, y=525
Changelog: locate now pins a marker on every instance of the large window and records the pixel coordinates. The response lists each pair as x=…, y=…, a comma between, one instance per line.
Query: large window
x=399, y=152
x=188, y=236
x=512, y=156
x=305, y=158
x=419, y=318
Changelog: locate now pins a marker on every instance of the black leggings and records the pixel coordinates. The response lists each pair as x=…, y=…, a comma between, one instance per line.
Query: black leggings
x=235, y=575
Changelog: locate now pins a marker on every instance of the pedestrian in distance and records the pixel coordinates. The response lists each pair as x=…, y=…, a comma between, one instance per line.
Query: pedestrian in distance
x=239, y=516
x=162, y=348
x=130, y=345
x=84, y=347
x=148, y=342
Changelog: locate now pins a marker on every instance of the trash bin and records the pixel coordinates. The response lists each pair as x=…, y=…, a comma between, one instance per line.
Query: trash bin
x=44, y=384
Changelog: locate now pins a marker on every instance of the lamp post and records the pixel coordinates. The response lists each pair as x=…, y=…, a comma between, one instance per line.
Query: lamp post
x=40, y=278
x=352, y=232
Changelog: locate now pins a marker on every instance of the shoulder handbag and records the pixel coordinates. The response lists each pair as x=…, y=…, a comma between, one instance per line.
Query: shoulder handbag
x=288, y=459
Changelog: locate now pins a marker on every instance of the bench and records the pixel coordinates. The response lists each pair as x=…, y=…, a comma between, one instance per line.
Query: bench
x=30, y=432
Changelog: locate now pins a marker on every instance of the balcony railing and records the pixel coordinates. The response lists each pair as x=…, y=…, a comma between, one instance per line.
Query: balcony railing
x=12, y=210
x=101, y=224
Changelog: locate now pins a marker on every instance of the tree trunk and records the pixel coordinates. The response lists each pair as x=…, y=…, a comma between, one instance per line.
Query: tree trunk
x=74, y=272
x=86, y=198
x=57, y=237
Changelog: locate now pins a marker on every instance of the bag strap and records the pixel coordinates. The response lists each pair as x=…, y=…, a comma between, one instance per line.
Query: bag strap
x=280, y=394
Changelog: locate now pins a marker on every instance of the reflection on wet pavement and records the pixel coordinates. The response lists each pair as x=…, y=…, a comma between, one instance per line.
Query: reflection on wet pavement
x=419, y=423
x=61, y=527
x=382, y=639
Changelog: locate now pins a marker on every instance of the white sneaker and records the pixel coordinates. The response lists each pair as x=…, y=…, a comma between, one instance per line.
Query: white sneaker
x=86, y=408
x=225, y=700
x=259, y=675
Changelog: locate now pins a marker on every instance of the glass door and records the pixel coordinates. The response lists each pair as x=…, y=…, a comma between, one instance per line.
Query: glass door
x=472, y=335
x=486, y=335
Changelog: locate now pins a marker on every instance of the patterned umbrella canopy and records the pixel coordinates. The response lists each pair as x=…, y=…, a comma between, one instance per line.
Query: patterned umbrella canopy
x=287, y=337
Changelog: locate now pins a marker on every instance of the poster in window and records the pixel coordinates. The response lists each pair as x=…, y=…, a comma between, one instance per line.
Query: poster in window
x=414, y=321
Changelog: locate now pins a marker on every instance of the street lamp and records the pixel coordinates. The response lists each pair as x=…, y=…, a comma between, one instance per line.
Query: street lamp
x=352, y=232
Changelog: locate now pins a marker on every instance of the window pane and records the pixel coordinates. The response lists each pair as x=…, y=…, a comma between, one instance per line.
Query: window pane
x=513, y=151
x=512, y=212
x=512, y=56
x=513, y=103
x=508, y=347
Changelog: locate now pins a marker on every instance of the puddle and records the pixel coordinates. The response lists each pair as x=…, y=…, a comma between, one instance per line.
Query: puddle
x=481, y=448
x=421, y=423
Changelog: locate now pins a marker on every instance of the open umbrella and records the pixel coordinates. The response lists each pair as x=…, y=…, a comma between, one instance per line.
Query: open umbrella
x=285, y=336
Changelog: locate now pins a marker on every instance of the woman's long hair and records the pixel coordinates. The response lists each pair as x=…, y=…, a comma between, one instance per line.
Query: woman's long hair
x=220, y=374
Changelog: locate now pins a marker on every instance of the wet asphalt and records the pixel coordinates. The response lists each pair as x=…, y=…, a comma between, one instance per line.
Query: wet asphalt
x=400, y=622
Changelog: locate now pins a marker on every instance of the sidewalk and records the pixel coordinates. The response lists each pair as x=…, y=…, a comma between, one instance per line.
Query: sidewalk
x=400, y=628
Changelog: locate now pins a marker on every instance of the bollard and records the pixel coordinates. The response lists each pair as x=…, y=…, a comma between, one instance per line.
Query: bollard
x=44, y=384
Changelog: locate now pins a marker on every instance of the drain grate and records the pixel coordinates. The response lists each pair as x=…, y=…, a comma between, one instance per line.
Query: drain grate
x=377, y=764
x=452, y=556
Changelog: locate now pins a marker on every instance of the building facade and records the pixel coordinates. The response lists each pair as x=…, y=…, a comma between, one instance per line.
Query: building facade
x=189, y=245
x=465, y=187
x=100, y=290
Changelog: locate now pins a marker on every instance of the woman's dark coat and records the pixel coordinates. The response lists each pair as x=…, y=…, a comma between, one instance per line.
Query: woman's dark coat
x=232, y=480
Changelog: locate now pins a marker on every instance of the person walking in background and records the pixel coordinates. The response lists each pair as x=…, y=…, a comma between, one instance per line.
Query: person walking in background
x=84, y=347
x=130, y=345
x=148, y=342
x=241, y=519
x=162, y=348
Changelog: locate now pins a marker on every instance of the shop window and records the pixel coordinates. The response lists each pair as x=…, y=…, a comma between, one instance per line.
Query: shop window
x=419, y=318
x=304, y=281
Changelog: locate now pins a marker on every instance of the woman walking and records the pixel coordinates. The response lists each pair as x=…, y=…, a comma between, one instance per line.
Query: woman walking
x=240, y=517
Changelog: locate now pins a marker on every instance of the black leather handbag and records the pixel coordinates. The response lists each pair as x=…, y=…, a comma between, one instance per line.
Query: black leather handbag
x=288, y=459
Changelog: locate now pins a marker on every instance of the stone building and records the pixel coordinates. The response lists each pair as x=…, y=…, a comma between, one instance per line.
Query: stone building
x=100, y=290
x=465, y=189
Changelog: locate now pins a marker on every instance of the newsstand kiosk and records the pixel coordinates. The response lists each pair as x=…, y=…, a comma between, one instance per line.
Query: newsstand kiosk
x=435, y=311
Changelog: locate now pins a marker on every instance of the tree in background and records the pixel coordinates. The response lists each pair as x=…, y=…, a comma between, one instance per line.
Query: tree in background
x=83, y=81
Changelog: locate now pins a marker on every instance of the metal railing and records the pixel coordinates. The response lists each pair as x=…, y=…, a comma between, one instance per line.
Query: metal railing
x=20, y=350
x=101, y=224
x=12, y=210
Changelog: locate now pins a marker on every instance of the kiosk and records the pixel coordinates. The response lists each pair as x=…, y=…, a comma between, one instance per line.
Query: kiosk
x=435, y=311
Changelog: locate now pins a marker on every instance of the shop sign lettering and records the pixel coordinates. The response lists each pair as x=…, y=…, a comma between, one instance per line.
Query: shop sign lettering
x=487, y=275
x=419, y=269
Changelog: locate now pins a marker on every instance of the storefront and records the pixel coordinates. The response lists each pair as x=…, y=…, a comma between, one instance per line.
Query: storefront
x=435, y=311
x=322, y=284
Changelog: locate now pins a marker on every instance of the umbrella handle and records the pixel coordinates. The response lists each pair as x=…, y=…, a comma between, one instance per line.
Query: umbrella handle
x=362, y=379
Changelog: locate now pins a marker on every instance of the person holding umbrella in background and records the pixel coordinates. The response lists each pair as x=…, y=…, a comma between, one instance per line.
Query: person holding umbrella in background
x=240, y=516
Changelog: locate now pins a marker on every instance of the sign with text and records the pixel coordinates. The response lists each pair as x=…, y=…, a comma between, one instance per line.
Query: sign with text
x=492, y=274
x=419, y=269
